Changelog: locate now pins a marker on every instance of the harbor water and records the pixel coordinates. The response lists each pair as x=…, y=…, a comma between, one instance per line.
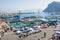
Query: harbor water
x=20, y=16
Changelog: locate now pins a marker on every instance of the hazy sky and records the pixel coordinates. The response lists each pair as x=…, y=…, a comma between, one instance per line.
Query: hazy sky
x=15, y=5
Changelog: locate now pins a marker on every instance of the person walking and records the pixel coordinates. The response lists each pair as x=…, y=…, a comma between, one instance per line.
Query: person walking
x=44, y=34
x=0, y=37
x=38, y=39
x=2, y=33
x=55, y=24
x=20, y=37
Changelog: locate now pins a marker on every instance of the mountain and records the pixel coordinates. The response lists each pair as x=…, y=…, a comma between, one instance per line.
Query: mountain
x=53, y=7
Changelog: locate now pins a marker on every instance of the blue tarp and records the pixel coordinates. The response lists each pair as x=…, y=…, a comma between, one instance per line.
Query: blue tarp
x=45, y=20
x=16, y=17
x=30, y=17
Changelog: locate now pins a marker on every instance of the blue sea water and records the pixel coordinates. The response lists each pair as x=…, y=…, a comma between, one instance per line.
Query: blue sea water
x=14, y=24
x=36, y=14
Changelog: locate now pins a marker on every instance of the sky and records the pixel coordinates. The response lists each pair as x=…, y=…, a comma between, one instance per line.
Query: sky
x=23, y=5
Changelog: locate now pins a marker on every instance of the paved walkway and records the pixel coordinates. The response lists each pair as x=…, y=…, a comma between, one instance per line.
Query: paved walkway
x=49, y=31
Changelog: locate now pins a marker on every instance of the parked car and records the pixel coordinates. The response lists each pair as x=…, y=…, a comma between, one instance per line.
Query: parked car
x=15, y=30
x=23, y=31
x=18, y=32
x=38, y=29
x=33, y=30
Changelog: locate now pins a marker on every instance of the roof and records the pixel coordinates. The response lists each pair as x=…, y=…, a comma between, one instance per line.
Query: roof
x=1, y=21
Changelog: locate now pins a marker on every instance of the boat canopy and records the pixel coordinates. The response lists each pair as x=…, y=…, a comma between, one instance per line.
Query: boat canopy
x=46, y=20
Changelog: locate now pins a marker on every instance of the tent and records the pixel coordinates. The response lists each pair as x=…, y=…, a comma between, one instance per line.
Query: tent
x=58, y=32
